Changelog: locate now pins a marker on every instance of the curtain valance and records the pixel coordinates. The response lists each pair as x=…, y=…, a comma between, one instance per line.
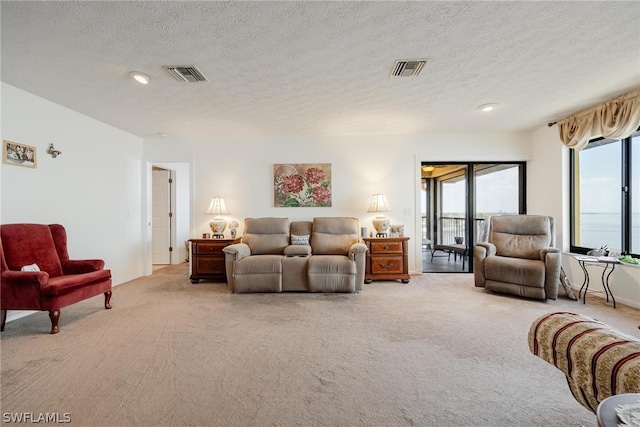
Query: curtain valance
x=615, y=119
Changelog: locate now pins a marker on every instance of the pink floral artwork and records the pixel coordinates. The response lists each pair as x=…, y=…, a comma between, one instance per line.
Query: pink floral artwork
x=302, y=185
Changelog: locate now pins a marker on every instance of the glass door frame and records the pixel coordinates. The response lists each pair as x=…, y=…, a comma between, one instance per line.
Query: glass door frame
x=433, y=207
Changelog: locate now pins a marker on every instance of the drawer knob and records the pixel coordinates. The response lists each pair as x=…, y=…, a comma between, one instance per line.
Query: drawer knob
x=389, y=265
x=386, y=247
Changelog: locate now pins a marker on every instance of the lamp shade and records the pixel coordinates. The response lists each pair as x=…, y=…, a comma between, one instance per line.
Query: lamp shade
x=379, y=203
x=217, y=207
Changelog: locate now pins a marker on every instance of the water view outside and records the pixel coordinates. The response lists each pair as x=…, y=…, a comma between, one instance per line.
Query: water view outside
x=497, y=193
x=604, y=229
x=600, y=199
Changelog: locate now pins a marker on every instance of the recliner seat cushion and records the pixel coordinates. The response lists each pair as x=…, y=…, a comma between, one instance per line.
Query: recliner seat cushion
x=63, y=284
x=524, y=272
x=331, y=273
x=258, y=273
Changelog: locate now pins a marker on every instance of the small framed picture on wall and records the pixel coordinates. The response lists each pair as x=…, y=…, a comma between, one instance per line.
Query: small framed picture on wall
x=15, y=153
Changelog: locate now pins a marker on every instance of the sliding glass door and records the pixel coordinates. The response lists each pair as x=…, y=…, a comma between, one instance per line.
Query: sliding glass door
x=457, y=198
x=499, y=190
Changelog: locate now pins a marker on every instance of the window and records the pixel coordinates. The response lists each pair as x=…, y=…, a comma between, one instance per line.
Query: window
x=605, y=195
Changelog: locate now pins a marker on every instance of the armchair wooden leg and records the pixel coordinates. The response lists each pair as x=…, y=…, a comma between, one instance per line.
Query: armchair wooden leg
x=107, y=300
x=55, y=317
x=3, y=315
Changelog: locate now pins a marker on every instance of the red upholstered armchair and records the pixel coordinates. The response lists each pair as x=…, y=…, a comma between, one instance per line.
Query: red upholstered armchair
x=58, y=283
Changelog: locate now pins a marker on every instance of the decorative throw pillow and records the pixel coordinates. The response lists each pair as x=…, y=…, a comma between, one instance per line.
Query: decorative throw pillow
x=300, y=240
x=564, y=281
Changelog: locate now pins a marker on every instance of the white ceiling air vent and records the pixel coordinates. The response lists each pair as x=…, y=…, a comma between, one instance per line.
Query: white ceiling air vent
x=407, y=68
x=186, y=73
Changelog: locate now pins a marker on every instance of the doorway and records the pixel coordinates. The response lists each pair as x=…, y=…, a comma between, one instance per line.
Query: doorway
x=457, y=198
x=181, y=211
x=161, y=216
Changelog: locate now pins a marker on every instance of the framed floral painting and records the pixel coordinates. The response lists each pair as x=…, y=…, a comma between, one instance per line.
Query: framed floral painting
x=302, y=185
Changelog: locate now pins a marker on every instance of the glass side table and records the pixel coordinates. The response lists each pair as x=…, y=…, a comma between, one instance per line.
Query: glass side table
x=606, y=412
x=609, y=265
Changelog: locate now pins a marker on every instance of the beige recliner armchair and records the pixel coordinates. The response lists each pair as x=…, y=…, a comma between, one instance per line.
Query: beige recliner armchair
x=519, y=257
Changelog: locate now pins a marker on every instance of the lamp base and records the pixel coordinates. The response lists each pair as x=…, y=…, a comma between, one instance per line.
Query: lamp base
x=381, y=224
x=217, y=226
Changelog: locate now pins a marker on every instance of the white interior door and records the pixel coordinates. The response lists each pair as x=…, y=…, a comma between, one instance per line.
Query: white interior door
x=161, y=216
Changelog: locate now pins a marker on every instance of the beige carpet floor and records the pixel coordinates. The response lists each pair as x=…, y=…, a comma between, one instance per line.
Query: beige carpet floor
x=434, y=352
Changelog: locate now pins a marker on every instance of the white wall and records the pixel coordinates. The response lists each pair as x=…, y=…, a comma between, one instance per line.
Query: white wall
x=241, y=170
x=547, y=181
x=92, y=188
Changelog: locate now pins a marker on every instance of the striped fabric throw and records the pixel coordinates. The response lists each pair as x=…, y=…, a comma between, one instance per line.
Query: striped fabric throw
x=598, y=361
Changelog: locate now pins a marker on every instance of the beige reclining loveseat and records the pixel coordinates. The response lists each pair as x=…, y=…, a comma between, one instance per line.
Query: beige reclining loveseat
x=276, y=255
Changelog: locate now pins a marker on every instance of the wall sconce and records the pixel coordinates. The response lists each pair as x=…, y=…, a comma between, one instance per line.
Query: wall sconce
x=54, y=153
x=380, y=223
x=217, y=207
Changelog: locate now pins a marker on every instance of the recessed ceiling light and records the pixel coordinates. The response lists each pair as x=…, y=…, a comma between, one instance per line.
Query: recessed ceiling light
x=140, y=77
x=487, y=107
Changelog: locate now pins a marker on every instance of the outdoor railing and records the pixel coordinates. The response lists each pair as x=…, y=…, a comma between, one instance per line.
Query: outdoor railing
x=451, y=227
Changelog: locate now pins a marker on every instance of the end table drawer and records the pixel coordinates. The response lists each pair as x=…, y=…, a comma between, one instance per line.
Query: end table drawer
x=386, y=247
x=204, y=248
x=386, y=264
x=209, y=264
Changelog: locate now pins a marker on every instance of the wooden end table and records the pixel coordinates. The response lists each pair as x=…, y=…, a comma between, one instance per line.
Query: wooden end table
x=207, y=259
x=387, y=259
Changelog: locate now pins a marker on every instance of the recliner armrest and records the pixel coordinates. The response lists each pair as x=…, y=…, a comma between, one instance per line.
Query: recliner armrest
x=357, y=248
x=239, y=250
x=489, y=248
x=545, y=251
x=82, y=266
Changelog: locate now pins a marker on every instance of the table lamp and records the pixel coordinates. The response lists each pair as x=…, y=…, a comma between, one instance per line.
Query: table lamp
x=380, y=223
x=218, y=224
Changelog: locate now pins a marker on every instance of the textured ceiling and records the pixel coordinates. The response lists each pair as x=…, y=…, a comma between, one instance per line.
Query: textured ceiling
x=322, y=68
